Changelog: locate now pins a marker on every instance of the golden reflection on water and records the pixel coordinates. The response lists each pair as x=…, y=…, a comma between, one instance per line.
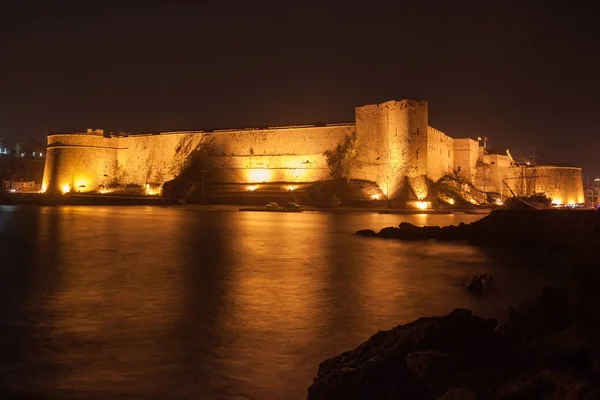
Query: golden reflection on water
x=174, y=302
x=275, y=298
x=106, y=290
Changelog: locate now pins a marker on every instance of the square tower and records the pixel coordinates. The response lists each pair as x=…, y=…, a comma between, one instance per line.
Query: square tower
x=392, y=138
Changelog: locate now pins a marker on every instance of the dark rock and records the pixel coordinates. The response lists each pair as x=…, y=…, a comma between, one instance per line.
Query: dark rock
x=474, y=285
x=553, y=303
x=537, y=318
x=408, y=227
x=549, y=384
x=547, y=227
x=431, y=232
x=461, y=313
x=413, y=232
x=511, y=323
x=432, y=366
x=565, y=349
x=366, y=232
x=459, y=394
x=595, y=357
x=390, y=232
x=583, y=301
x=378, y=368
x=478, y=283
x=492, y=322
x=451, y=233
x=535, y=352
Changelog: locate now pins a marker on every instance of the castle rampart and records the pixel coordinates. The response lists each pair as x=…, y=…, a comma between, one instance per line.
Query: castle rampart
x=562, y=183
x=87, y=162
x=396, y=149
x=392, y=138
x=83, y=161
x=440, y=154
x=465, y=158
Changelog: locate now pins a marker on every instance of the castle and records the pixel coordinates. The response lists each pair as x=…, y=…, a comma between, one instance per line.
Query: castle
x=394, y=147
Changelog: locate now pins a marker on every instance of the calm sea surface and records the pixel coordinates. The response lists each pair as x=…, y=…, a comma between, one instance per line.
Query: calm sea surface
x=182, y=303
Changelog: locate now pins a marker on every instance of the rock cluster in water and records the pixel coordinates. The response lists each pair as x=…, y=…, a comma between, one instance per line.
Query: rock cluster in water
x=478, y=283
x=548, y=348
x=547, y=227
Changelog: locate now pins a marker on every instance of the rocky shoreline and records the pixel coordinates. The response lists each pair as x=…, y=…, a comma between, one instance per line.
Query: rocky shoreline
x=544, y=348
x=548, y=348
x=506, y=227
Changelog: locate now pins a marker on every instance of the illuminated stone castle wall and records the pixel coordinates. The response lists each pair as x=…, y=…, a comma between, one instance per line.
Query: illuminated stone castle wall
x=84, y=161
x=440, y=154
x=563, y=184
x=501, y=174
x=392, y=138
x=396, y=147
x=465, y=158
x=79, y=160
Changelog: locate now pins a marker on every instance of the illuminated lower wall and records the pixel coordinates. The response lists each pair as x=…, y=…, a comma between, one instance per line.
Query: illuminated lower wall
x=392, y=139
x=440, y=154
x=465, y=158
x=85, y=162
x=563, y=184
x=79, y=162
x=245, y=156
x=495, y=173
x=395, y=146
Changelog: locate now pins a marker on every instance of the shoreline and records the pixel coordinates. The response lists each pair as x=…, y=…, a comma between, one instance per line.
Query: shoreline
x=38, y=199
x=550, y=227
x=545, y=347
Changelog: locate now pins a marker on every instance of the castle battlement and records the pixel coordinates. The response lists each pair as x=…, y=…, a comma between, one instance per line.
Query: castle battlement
x=395, y=146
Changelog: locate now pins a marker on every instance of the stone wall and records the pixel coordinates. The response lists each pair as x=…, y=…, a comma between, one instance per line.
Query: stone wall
x=393, y=145
x=88, y=160
x=465, y=158
x=563, y=184
x=374, y=150
x=494, y=172
x=79, y=162
x=292, y=154
x=392, y=139
x=440, y=154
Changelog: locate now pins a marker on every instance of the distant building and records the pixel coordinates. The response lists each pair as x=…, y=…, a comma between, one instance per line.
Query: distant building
x=21, y=186
x=30, y=149
x=592, y=193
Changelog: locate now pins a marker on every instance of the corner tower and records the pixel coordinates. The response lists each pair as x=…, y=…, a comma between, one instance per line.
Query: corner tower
x=393, y=146
x=79, y=162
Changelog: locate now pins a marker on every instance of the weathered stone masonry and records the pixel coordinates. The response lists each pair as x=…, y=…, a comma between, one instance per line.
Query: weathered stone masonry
x=396, y=147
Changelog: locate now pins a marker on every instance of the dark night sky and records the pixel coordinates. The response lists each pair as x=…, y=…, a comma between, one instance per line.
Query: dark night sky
x=521, y=74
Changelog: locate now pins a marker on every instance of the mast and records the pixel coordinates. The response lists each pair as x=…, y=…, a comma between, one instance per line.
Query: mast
x=522, y=190
x=484, y=168
x=534, y=171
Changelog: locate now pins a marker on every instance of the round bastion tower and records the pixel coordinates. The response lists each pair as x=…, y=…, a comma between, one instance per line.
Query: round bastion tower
x=79, y=162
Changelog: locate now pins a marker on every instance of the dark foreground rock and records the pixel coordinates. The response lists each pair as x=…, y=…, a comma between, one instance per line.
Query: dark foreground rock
x=536, y=352
x=548, y=227
x=478, y=283
x=367, y=233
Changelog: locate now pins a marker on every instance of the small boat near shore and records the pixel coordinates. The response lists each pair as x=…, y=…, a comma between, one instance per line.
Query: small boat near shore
x=265, y=209
x=274, y=207
x=479, y=211
x=414, y=211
